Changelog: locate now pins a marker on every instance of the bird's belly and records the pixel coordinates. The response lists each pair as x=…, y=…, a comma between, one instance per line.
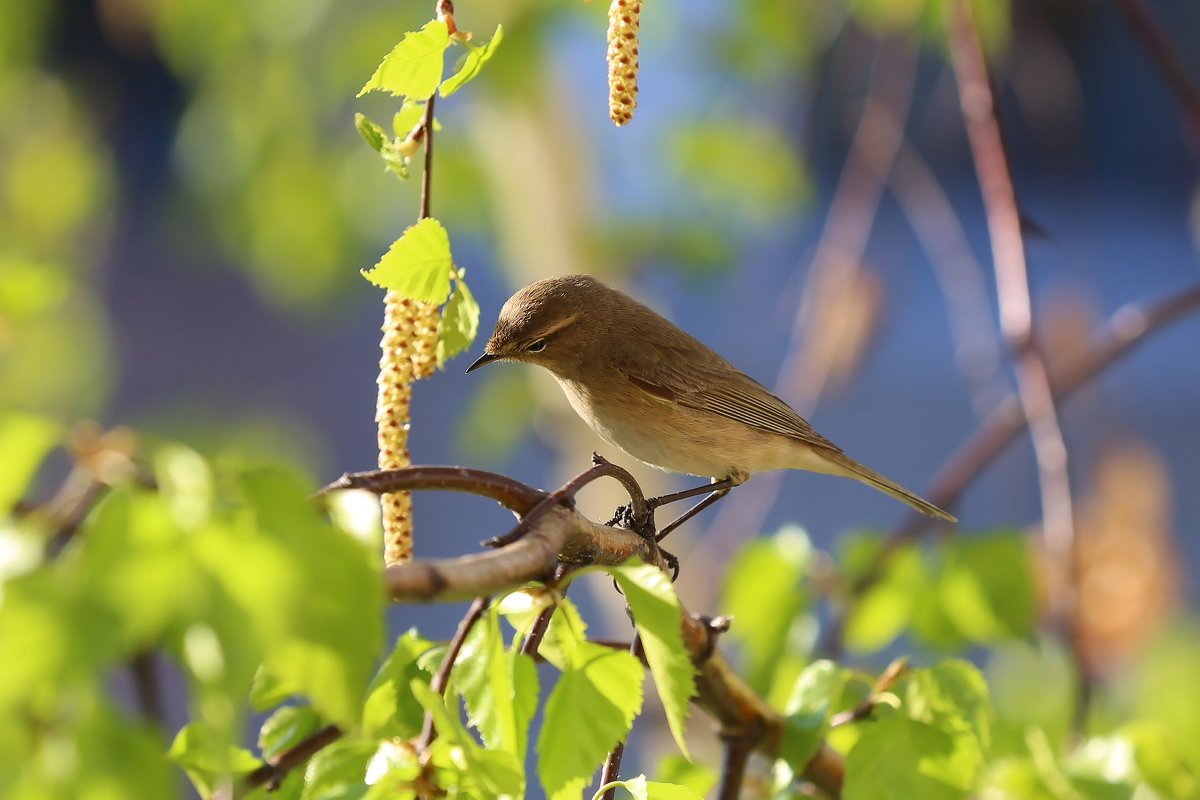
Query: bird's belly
x=678, y=439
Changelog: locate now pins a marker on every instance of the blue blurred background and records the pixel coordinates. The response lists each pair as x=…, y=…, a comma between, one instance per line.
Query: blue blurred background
x=186, y=195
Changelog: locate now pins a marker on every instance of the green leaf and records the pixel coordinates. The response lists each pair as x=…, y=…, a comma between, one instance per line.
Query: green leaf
x=901, y=757
x=390, y=710
x=25, y=439
x=338, y=772
x=473, y=62
x=414, y=67
x=483, y=773
x=700, y=778
x=209, y=758
x=285, y=728
x=886, y=609
x=642, y=789
x=484, y=674
x=1033, y=686
x=808, y=709
x=952, y=696
x=1162, y=760
x=417, y=265
x=459, y=324
x=768, y=572
x=656, y=612
x=590, y=710
x=372, y=133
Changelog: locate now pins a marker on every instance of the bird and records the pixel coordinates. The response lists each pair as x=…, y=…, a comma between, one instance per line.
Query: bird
x=649, y=388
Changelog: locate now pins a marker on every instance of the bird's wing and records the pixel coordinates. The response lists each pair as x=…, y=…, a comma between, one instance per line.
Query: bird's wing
x=711, y=384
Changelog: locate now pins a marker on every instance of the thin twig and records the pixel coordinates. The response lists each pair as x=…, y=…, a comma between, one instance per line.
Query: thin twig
x=1157, y=44
x=1128, y=327
x=887, y=679
x=733, y=774
x=147, y=687
x=509, y=493
x=426, y=174
x=441, y=678
x=1016, y=307
x=274, y=771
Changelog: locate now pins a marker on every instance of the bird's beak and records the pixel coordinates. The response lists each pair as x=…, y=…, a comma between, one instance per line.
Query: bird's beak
x=483, y=360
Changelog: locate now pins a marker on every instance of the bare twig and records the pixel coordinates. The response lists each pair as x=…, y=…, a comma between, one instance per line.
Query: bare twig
x=441, y=678
x=733, y=774
x=509, y=493
x=1016, y=308
x=1128, y=327
x=147, y=686
x=1157, y=44
x=274, y=771
x=896, y=670
x=427, y=173
x=612, y=764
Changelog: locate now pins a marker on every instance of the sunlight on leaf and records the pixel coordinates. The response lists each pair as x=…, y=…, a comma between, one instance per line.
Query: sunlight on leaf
x=418, y=265
x=414, y=67
x=472, y=64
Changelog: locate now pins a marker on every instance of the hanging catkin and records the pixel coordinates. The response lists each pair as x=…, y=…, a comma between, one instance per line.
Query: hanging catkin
x=624, y=18
x=409, y=352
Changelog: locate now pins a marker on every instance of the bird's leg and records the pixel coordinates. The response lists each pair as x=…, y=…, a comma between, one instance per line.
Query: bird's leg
x=721, y=486
x=696, y=509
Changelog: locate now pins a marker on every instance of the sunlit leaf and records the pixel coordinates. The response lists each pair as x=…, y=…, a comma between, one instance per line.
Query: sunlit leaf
x=25, y=439
x=418, y=265
x=460, y=323
x=813, y=697
x=472, y=63
x=208, y=758
x=602, y=686
x=286, y=728
x=390, y=709
x=641, y=789
x=372, y=133
x=338, y=772
x=698, y=777
x=901, y=757
x=656, y=612
x=485, y=676
x=414, y=67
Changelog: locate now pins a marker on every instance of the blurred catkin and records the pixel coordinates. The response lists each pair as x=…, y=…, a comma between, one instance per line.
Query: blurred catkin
x=409, y=352
x=624, y=18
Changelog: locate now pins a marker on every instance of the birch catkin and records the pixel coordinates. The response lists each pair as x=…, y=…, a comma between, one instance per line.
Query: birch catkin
x=624, y=18
x=409, y=348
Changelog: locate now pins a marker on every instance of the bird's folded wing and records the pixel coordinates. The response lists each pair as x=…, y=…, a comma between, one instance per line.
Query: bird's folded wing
x=720, y=389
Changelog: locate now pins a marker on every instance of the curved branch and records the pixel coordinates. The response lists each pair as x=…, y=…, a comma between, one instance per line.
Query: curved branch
x=511, y=494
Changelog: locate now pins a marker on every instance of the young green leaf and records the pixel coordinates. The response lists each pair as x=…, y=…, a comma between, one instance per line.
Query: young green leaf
x=472, y=64
x=25, y=440
x=641, y=789
x=418, y=265
x=482, y=773
x=698, y=777
x=658, y=617
x=485, y=676
x=285, y=728
x=886, y=609
x=769, y=573
x=338, y=772
x=208, y=758
x=590, y=710
x=390, y=709
x=414, y=67
x=372, y=133
x=954, y=697
x=808, y=710
x=901, y=757
x=460, y=322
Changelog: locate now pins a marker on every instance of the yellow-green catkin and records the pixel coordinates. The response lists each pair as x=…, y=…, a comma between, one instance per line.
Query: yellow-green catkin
x=409, y=353
x=624, y=19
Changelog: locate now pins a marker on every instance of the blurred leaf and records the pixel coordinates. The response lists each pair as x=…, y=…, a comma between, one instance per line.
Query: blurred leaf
x=901, y=757
x=508, y=395
x=602, y=686
x=1033, y=686
x=482, y=773
x=1162, y=760
x=25, y=439
x=767, y=573
x=472, y=63
x=29, y=288
x=414, y=67
x=1103, y=767
x=813, y=697
x=390, y=709
x=418, y=265
x=459, y=323
x=886, y=609
x=286, y=728
x=1164, y=689
x=745, y=169
x=952, y=696
x=658, y=617
x=208, y=758
x=372, y=133
x=674, y=768
x=338, y=772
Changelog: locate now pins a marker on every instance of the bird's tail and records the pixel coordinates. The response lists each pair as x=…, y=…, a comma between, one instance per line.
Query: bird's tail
x=872, y=478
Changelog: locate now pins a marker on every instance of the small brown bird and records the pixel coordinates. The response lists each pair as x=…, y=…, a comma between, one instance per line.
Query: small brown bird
x=660, y=395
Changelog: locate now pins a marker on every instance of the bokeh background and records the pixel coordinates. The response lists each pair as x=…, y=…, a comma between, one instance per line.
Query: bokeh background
x=185, y=204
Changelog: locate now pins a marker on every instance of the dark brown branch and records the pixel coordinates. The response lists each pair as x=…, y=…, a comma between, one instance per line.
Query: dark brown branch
x=441, y=678
x=274, y=771
x=1157, y=44
x=733, y=774
x=1128, y=327
x=612, y=764
x=511, y=494
x=147, y=687
x=427, y=173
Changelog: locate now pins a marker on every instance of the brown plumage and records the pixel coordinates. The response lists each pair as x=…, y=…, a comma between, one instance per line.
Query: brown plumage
x=649, y=388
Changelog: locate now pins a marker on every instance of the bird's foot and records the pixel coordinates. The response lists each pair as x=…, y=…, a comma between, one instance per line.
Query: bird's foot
x=624, y=517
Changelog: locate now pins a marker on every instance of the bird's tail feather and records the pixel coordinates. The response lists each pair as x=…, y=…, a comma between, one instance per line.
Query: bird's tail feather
x=874, y=479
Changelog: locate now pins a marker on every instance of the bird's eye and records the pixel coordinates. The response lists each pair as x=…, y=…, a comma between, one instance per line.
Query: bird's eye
x=537, y=346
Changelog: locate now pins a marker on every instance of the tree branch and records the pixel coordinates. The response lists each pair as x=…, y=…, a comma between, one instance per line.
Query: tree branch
x=442, y=678
x=273, y=772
